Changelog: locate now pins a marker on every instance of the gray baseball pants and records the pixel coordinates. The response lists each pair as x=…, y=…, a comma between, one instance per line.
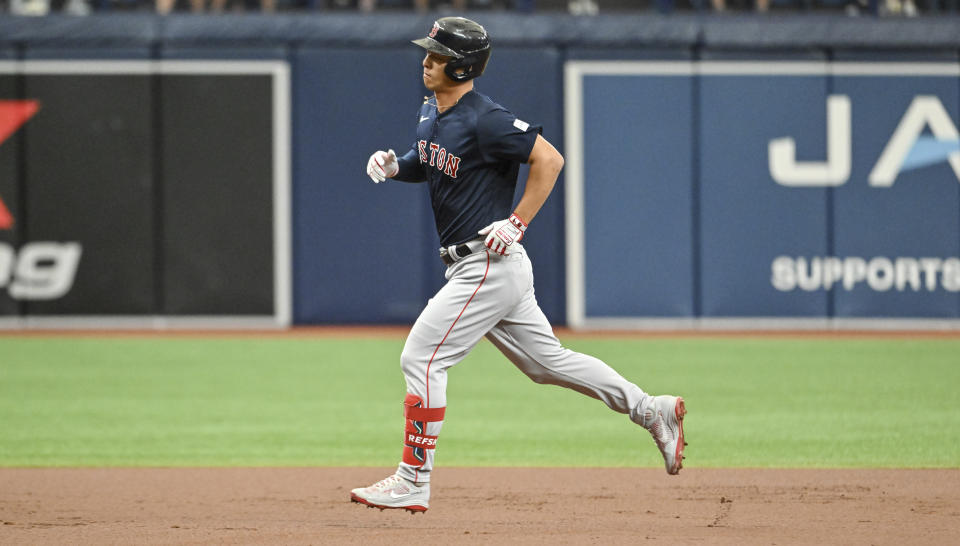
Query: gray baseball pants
x=491, y=295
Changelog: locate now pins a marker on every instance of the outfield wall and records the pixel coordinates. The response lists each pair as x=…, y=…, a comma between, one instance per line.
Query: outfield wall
x=717, y=169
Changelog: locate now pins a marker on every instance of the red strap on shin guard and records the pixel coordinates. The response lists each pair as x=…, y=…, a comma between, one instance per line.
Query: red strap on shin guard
x=413, y=411
x=429, y=415
x=414, y=456
x=415, y=440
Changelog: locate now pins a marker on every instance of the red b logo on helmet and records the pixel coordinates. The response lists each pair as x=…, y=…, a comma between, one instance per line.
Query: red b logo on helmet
x=433, y=31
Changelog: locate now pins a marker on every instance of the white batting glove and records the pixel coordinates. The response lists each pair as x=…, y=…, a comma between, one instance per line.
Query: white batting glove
x=382, y=165
x=502, y=234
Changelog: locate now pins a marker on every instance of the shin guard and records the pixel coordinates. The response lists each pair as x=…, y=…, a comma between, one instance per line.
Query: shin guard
x=416, y=437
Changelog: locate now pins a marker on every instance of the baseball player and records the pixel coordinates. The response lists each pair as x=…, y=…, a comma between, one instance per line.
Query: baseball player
x=468, y=150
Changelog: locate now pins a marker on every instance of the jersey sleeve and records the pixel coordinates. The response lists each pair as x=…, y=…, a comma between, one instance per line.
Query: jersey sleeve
x=503, y=136
x=410, y=168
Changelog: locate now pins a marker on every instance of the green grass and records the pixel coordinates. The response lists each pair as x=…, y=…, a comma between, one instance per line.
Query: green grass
x=753, y=402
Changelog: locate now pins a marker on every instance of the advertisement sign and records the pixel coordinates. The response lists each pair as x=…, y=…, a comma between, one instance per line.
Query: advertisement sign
x=820, y=191
x=142, y=194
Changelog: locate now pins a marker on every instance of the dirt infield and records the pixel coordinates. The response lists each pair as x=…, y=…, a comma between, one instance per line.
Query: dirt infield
x=481, y=506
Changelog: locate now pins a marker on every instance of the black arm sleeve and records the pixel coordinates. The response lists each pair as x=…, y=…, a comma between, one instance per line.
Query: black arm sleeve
x=411, y=170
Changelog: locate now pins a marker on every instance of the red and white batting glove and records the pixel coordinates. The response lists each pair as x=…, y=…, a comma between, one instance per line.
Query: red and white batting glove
x=502, y=234
x=382, y=165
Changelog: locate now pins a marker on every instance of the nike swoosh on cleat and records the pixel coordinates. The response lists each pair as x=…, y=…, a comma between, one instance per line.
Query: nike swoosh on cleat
x=394, y=495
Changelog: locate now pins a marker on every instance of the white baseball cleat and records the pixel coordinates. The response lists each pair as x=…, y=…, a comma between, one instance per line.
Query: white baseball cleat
x=394, y=492
x=664, y=419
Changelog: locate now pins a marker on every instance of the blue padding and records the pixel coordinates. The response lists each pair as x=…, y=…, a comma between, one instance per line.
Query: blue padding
x=684, y=217
x=893, y=228
x=60, y=52
x=765, y=31
x=527, y=81
x=60, y=30
x=897, y=55
x=390, y=265
x=771, y=55
x=628, y=54
x=248, y=53
x=747, y=219
x=361, y=250
x=637, y=195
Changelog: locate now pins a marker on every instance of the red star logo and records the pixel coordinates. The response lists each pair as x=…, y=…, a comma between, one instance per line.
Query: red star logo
x=13, y=114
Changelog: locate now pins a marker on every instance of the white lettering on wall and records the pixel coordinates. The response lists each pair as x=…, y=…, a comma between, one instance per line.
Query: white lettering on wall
x=43, y=270
x=880, y=273
x=782, y=152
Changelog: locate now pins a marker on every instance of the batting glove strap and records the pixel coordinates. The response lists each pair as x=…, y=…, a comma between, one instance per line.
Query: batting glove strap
x=517, y=221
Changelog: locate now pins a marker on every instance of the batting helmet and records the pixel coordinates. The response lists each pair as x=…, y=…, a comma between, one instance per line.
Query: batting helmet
x=464, y=41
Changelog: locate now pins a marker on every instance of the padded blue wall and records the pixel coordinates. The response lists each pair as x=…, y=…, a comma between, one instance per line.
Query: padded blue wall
x=857, y=250
x=746, y=220
x=638, y=148
x=367, y=253
x=363, y=252
x=917, y=216
x=683, y=218
x=527, y=81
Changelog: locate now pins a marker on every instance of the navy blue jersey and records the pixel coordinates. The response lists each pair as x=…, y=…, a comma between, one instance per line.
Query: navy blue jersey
x=470, y=156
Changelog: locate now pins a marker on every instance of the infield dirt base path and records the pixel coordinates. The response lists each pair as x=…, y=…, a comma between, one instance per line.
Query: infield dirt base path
x=481, y=506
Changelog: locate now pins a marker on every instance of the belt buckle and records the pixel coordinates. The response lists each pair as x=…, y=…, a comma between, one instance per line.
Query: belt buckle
x=447, y=257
